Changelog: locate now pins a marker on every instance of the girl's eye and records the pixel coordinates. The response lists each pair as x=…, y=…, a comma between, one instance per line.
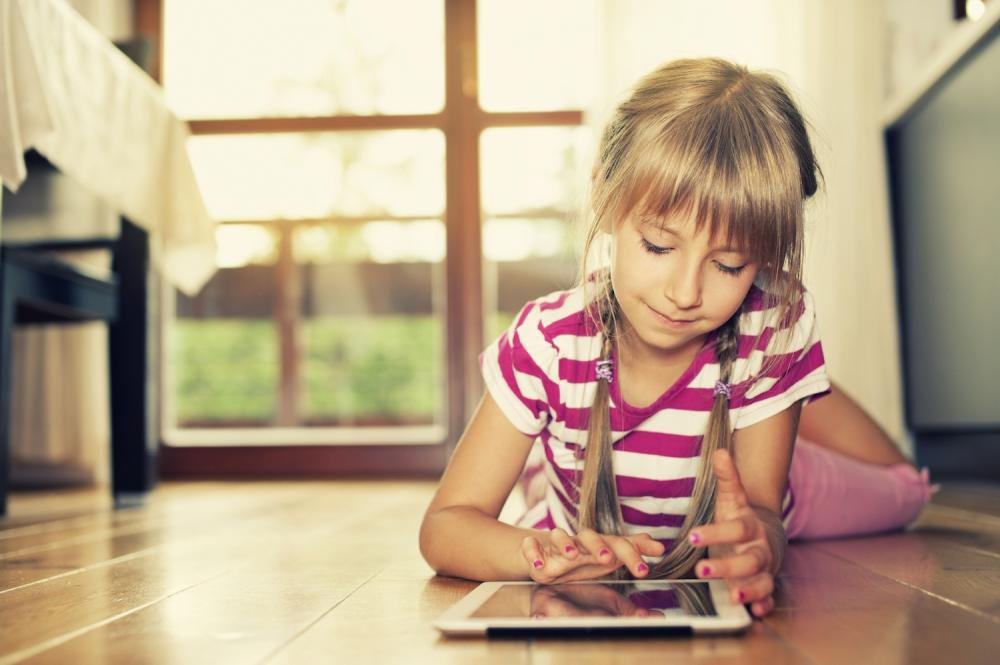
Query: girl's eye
x=730, y=270
x=654, y=249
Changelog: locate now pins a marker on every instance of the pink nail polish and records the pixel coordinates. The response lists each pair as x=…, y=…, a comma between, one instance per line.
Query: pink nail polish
x=569, y=548
x=642, y=568
x=706, y=571
x=604, y=552
x=538, y=563
x=695, y=539
x=743, y=596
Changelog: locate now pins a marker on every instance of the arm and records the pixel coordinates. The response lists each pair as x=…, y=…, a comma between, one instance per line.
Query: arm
x=746, y=539
x=839, y=423
x=763, y=455
x=460, y=534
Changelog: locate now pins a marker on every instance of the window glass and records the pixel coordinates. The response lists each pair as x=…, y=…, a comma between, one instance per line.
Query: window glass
x=261, y=58
x=320, y=174
x=536, y=56
x=533, y=189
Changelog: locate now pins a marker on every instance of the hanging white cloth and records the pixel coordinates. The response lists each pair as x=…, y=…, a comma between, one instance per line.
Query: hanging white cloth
x=69, y=93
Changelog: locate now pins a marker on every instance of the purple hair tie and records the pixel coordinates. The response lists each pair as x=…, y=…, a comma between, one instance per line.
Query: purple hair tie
x=722, y=388
x=604, y=371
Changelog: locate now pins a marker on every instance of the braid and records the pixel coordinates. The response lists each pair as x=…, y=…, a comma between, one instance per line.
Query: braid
x=598, y=501
x=682, y=556
x=598, y=504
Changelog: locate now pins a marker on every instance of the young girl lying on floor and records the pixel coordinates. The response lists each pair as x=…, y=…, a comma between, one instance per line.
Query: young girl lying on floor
x=663, y=395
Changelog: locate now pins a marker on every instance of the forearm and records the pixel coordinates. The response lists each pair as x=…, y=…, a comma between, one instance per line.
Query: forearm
x=461, y=541
x=776, y=536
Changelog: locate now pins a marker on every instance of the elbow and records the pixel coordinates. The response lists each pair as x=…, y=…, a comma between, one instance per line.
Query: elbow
x=428, y=539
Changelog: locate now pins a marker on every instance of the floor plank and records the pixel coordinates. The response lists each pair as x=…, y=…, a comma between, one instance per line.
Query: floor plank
x=285, y=579
x=330, y=572
x=40, y=616
x=140, y=532
x=836, y=611
x=955, y=573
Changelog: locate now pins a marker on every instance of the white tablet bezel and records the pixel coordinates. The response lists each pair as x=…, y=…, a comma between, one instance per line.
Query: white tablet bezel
x=458, y=620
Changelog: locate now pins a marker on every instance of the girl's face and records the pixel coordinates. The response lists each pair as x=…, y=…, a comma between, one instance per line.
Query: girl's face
x=674, y=285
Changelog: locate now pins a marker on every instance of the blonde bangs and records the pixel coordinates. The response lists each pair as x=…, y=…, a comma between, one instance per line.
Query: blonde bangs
x=720, y=171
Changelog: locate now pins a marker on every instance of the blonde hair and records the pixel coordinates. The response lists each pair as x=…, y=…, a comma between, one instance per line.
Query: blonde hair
x=713, y=141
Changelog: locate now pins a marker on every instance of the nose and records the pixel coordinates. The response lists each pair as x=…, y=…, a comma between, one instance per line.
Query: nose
x=683, y=286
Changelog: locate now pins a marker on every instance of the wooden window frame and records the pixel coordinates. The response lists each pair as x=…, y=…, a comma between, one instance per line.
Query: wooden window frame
x=461, y=121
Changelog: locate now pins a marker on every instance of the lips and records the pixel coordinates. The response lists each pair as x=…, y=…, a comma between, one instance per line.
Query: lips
x=669, y=320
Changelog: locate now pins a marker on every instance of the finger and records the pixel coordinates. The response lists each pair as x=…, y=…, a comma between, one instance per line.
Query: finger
x=629, y=555
x=745, y=564
x=728, y=479
x=762, y=608
x=728, y=532
x=750, y=589
x=595, y=545
x=582, y=573
x=563, y=544
x=532, y=551
x=647, y=545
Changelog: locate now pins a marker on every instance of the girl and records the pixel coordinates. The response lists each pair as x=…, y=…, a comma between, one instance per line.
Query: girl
x=662, y=396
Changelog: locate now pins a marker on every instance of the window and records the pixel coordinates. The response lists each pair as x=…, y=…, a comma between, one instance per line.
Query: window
x=366, y=204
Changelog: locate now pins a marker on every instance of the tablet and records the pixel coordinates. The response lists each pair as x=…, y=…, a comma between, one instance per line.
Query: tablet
x=641, y=607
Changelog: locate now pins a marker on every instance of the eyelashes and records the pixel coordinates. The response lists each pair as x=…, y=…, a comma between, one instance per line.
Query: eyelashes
x=654, y=249
x=730, y=270
x=733, y=271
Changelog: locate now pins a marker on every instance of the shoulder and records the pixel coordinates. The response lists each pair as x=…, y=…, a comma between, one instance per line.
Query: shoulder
x=780, y=358
x=552, y=324
x=764, y=316
x=521, y=368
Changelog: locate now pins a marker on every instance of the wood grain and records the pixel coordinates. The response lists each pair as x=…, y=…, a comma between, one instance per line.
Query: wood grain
x=329, y=571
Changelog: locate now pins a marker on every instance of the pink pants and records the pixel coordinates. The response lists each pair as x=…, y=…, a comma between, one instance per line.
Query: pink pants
x=834, y=495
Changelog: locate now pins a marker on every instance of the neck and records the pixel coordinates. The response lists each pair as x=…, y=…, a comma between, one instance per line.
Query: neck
x=633, y=351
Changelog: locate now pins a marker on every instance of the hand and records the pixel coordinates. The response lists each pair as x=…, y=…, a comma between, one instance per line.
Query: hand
x=584, y=600
x=740, y=547
x=587, y=556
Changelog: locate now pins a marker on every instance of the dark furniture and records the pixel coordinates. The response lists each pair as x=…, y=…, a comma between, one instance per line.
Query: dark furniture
x=36, y=288
x=943, y=160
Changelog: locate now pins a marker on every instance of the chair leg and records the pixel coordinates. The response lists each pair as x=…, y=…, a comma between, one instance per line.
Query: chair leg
x=133, y=436
x=7, y=313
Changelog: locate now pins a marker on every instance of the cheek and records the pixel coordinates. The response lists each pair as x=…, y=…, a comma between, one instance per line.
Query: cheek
x=634, y=272
x=730, y=293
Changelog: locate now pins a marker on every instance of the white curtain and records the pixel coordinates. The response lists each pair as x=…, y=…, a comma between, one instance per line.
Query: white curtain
x=832, y=56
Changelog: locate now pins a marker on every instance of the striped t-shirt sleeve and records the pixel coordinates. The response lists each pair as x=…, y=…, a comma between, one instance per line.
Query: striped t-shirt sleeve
x=515, y=369
x=789, y=369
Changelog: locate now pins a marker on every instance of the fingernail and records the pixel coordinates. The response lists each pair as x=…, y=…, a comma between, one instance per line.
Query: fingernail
x=706, y=571
x=604, y=552
x=743, y=596
x=642, y=568
x=569, y=548
x=695, y=539
x=538, y=563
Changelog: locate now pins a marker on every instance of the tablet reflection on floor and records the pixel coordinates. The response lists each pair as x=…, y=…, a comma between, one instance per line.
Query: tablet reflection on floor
x=600, y=599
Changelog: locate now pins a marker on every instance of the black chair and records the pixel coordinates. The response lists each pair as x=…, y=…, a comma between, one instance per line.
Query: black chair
x=37, y=288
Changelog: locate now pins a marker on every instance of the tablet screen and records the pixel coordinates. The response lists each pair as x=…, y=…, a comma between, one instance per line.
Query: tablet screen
x=603, y=599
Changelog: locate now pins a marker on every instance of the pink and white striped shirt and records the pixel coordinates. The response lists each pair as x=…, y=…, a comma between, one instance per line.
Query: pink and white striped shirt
x=541, y=373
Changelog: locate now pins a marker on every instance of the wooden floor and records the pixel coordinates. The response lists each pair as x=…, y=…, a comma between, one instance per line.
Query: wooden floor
x=329, y=572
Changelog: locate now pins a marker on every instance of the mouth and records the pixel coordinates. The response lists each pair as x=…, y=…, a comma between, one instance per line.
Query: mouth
x=670, y=320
